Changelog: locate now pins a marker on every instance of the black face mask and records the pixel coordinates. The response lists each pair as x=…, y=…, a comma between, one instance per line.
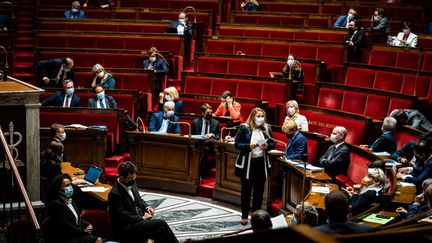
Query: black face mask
x=208, y=116
x=351, y=30
x=289, y=136
x=130, y=183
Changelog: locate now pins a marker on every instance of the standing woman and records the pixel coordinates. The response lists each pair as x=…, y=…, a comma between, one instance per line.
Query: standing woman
x=293, y=114
x=100, y=76
x=293, y=70
x=254, y=139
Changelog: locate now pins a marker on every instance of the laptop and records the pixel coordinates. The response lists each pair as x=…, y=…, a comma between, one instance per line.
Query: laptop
x=91, y=176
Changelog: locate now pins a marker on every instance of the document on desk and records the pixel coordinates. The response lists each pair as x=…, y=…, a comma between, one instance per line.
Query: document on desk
x=94, y=189
x=279, y=222
x=378, y=219
x=406, y=184
x=320, y=189
x=382, y=154
x=310, y=167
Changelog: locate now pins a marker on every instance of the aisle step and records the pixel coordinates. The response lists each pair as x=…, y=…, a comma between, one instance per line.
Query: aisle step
x=205, y=189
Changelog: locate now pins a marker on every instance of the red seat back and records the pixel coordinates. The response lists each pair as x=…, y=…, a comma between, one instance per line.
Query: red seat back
x=376, y=106
x=353, y=102
x=383, y=58
x=330, y=98
x=357, y=169
x=388, y=81
x=360, y=77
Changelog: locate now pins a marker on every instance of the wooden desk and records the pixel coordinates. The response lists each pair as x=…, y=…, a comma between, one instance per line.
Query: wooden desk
x=404, y=193
x=166, y=161
x=83, y=146
x=317, y=199
x=292, y=185
x=67, y=168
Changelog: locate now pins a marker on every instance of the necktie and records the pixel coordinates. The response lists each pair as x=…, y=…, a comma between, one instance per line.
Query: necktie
x=206, y=128
x=101, y=104
x=331, y=153
x=67, y=101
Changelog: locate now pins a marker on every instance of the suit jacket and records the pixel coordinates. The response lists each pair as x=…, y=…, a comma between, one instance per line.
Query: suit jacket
x=344, y=228
x=385, y=143
x=358, y=40
x=159, y=65
x=123, y=211
x=410, y=42
x=177, y=108
x=416, y=209
x=420, y=173
x=405, y=152
x=109, y=102
x=297, y=148
x=418, y=121
x=187, y=32
x=234, y=110
x=68, y=14
x=336, y=163
x=63, y=223
x=50, y=68
x=156, y=121
x=341, y=22
x=58, y=98
x=197, y=127
x=363, y=201
x=242, y=143
x=382, y=25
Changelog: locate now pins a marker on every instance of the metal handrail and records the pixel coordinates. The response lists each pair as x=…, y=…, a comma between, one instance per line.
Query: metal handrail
x=19, y=180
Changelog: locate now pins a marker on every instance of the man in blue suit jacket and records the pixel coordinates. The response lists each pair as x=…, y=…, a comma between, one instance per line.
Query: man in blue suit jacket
x=182, y=25
x=158, y=64
x=75, y=12
x=297, y=143
x=160, y=121
x=64, y=99
x=387, y=141
x=101, y=100
x=343, y=20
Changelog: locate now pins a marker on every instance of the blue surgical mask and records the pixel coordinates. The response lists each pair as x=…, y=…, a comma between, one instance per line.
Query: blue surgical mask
x=376, y=18
x=70, y=92
x=68, y=191
x=259, y=120
x=75, y=10
x=170, y=114
x=100, y=95
x=168, y=97
x=293, y=220
x=182, y=21
x=63, y=136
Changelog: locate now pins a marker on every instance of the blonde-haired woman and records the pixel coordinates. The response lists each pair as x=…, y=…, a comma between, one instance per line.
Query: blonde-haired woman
x=292, y=113
x=254, y=139
x=170, y=94
x=372, y=188
x=293, y=70
x=102, y=77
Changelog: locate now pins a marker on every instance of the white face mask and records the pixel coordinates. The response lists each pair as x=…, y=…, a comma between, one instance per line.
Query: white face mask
x=333, y=138
x=101, y=74
x=170, y=113
x=152, y=59
x=75, y=10
x=259, y=120
x=168, y=97
x=291, y=111
x=290, y=62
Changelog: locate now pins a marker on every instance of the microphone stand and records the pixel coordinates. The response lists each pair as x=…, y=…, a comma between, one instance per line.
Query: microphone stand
x=302, y=191
x=179, y=122
x=190, y=7
x=223, y=129
x=138, y=121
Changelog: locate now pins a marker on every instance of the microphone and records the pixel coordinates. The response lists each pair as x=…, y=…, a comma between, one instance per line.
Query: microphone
x=223, y=129
x=275, y=140
x=138, y=121
x=179, y=122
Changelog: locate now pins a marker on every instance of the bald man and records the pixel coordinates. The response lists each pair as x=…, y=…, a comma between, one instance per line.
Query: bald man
x=337, y=158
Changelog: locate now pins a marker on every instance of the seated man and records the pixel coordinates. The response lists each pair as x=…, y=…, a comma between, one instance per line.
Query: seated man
x=337, y=158
x=165, y=121
x=405, y=155
x=260, y=220
x=343, y=20
x=423, y=152
x=58, y=135
x=337, y=208
x=101, y=100
x=159, y=65
x=74, y=12
x=131, y=217
x=379, y=21
x=101, y=3
x=208, y=127
x=420, y=204
x=64, y=99
x=228, y=106
x=297, y=143
x=182, y=25
x=412, y=118
x=53, y=72
x=309, y=215
x=387, y=141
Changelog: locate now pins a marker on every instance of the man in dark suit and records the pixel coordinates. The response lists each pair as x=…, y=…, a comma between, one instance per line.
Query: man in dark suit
x=337, y=208
x=420, y=204
x=343, y=20
x=162, y=122
x=53, y=72
x=387, y=141
x=64, y=99
x=159, y=65
x=74, y=12
x=337, y=158
x=209, y=128
x=58, y=135
x=355, y=40
x=412, y=118
x=101, y=100
x=297, y=143
x=131, y=217
x=182, y=25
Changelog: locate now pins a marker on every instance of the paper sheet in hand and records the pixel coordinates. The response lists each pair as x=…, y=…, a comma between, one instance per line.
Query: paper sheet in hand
x=376, y=219
x=261, y=141
x=320, y=189
x=279, y=222
x=94, y=189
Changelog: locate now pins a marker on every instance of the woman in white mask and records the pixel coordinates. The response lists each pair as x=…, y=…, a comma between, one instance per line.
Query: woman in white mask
x=292, y=113
x=100, y=76
x=404, y=38
x=293, y=70
x=254, y=139
x=170, y=94
x=371, y=191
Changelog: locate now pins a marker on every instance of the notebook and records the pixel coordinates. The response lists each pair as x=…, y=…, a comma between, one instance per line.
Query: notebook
x=91, y=176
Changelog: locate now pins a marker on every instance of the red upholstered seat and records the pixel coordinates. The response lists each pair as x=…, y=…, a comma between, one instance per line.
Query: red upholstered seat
x=249, y=89
x=100, y=221
x=250, y=48
x=360, y=77
x=265, y=67
x=396, y=103
x=383, y=58
x=212, y=65
x=281, y=137
x=331, y=37
x=421, y=83
x=274, y=93
x=410, y=60
x=242, y=67
x=312, y=147
x=309, y=93
x=291, y=20
x=353, y=102
x=402, y=138
x=310, y=72
x=306, y=36
x=388, y=81
x=197, y=85
x=427, y=62
x=281, y=35
x=276, y=50
x=224, y=47
x=220, y=85
x=330, y=98
x=304, y=51
x=376, y=106
x=332, y=55
x=357, y=170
